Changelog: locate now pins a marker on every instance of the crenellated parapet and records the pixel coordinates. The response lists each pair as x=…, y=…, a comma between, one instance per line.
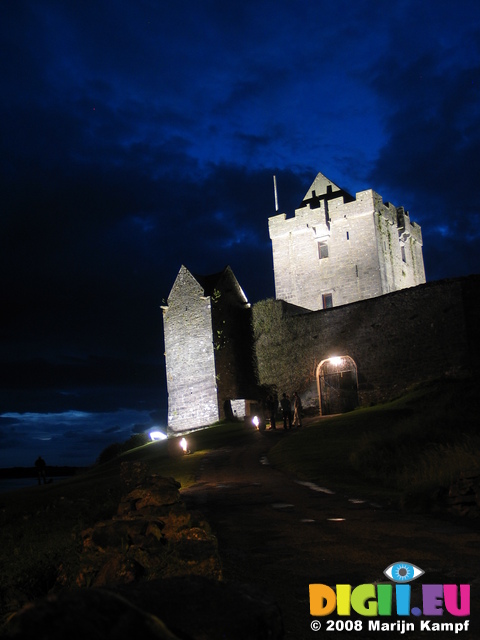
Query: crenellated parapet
x=339, y=249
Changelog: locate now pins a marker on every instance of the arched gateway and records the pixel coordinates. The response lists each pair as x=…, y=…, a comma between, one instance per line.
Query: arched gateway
x=337, y=385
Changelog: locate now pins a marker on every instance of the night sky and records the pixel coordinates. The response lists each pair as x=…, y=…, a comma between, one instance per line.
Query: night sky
x=137, y=136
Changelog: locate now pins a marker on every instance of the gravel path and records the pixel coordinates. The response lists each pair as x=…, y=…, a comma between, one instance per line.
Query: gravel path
x=282, y=535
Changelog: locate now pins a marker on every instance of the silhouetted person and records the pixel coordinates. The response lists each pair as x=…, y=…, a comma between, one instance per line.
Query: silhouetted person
x=287, y=411
x=272, y=404
x=297, y=410
x=41, y=468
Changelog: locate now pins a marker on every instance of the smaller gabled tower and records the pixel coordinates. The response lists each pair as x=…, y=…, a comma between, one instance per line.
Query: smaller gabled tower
x=208, y=348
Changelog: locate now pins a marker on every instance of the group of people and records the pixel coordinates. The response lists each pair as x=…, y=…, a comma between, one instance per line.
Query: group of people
x=291, y=411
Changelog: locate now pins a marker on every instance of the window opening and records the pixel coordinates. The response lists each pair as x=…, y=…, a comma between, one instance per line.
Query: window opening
x=327, y=300
x=322, y=250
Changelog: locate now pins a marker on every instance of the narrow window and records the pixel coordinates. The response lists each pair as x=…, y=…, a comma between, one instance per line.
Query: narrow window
x=404, y=258
x=327, y=301
x=348, y=235
x=322, y=250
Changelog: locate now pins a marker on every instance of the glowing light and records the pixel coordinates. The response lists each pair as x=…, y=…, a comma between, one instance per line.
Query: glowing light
x=184, y=445
x=256, y=421
x=157, y=435
x=336, y=361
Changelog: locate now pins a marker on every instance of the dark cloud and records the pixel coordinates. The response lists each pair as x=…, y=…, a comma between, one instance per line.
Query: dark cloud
x=142, y=136
x=429, y=89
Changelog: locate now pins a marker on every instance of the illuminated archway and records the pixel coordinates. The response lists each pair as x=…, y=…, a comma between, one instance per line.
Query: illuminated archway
x=337, y=385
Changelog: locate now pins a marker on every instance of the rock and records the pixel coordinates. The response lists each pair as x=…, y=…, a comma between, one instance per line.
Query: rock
x=118, y=570
x=162, y=562
x=154, y=491
x=152, y=536
x=92, y=614
x=203, y=609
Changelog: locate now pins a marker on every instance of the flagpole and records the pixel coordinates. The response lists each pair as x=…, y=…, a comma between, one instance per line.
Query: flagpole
x=275, y=192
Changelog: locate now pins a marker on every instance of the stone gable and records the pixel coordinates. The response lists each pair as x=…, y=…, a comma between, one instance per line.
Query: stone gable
x=208, y=348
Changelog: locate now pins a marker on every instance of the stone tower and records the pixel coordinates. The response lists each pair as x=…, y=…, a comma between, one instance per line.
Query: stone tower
x=338, y=249
x=208, y=348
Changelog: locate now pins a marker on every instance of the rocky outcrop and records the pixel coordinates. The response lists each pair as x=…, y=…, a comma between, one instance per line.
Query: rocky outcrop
x=152, y=536
x=188, y=608
x=201, y=609
x=152, y=571
x=85, y=614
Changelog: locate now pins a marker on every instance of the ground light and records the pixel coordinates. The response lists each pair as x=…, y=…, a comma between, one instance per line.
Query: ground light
x=157, y=435
x=184, y=446
x=261, y=426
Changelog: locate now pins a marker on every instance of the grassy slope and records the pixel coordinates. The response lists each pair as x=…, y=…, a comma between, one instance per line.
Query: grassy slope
x=410, y=447
x=40, y=526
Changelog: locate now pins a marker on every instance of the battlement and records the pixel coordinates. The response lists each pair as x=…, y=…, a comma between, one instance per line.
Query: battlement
x=334, y=251
x=338, y=249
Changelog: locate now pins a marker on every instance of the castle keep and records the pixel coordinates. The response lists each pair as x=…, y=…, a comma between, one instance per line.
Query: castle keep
x=353, y=321
x=338, y=249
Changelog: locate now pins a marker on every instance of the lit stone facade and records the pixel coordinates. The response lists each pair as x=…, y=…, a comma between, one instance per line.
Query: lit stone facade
x=208, y=348
x=338, y=249
x=332, y=333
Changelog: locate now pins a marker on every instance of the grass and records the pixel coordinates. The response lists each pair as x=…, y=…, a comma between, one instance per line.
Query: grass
x=406, y=451
x=403, y=452
x=40, y=527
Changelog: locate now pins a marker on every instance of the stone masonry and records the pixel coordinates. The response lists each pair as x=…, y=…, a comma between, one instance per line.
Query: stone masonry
x=208, y=348
x=353, y=322
x=395, y=340
x=338, y=249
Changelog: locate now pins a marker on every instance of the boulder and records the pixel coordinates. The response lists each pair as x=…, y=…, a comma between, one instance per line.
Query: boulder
x=202, y=609
x=81, y=614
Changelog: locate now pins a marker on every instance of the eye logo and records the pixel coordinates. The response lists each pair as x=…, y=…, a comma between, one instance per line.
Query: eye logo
x=403, y=572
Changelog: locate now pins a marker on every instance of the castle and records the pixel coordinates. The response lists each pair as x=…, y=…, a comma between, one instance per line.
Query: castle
x=352, y=321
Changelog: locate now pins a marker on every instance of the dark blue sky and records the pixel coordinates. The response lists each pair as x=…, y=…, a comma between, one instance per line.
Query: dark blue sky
x=140, y=135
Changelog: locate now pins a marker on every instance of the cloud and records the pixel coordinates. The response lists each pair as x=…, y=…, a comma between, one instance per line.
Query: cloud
x=66, y=437
x=140, y=139
x=431, y=117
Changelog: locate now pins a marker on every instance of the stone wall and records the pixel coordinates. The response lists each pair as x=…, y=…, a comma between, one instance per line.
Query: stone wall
x=395, y=340
x=233, y=343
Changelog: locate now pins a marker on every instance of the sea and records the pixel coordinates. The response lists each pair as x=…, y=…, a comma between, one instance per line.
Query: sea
x=72, y=426
x=12, y=484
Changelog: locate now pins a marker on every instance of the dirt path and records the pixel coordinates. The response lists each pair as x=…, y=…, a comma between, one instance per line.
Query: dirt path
x=282, y=535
